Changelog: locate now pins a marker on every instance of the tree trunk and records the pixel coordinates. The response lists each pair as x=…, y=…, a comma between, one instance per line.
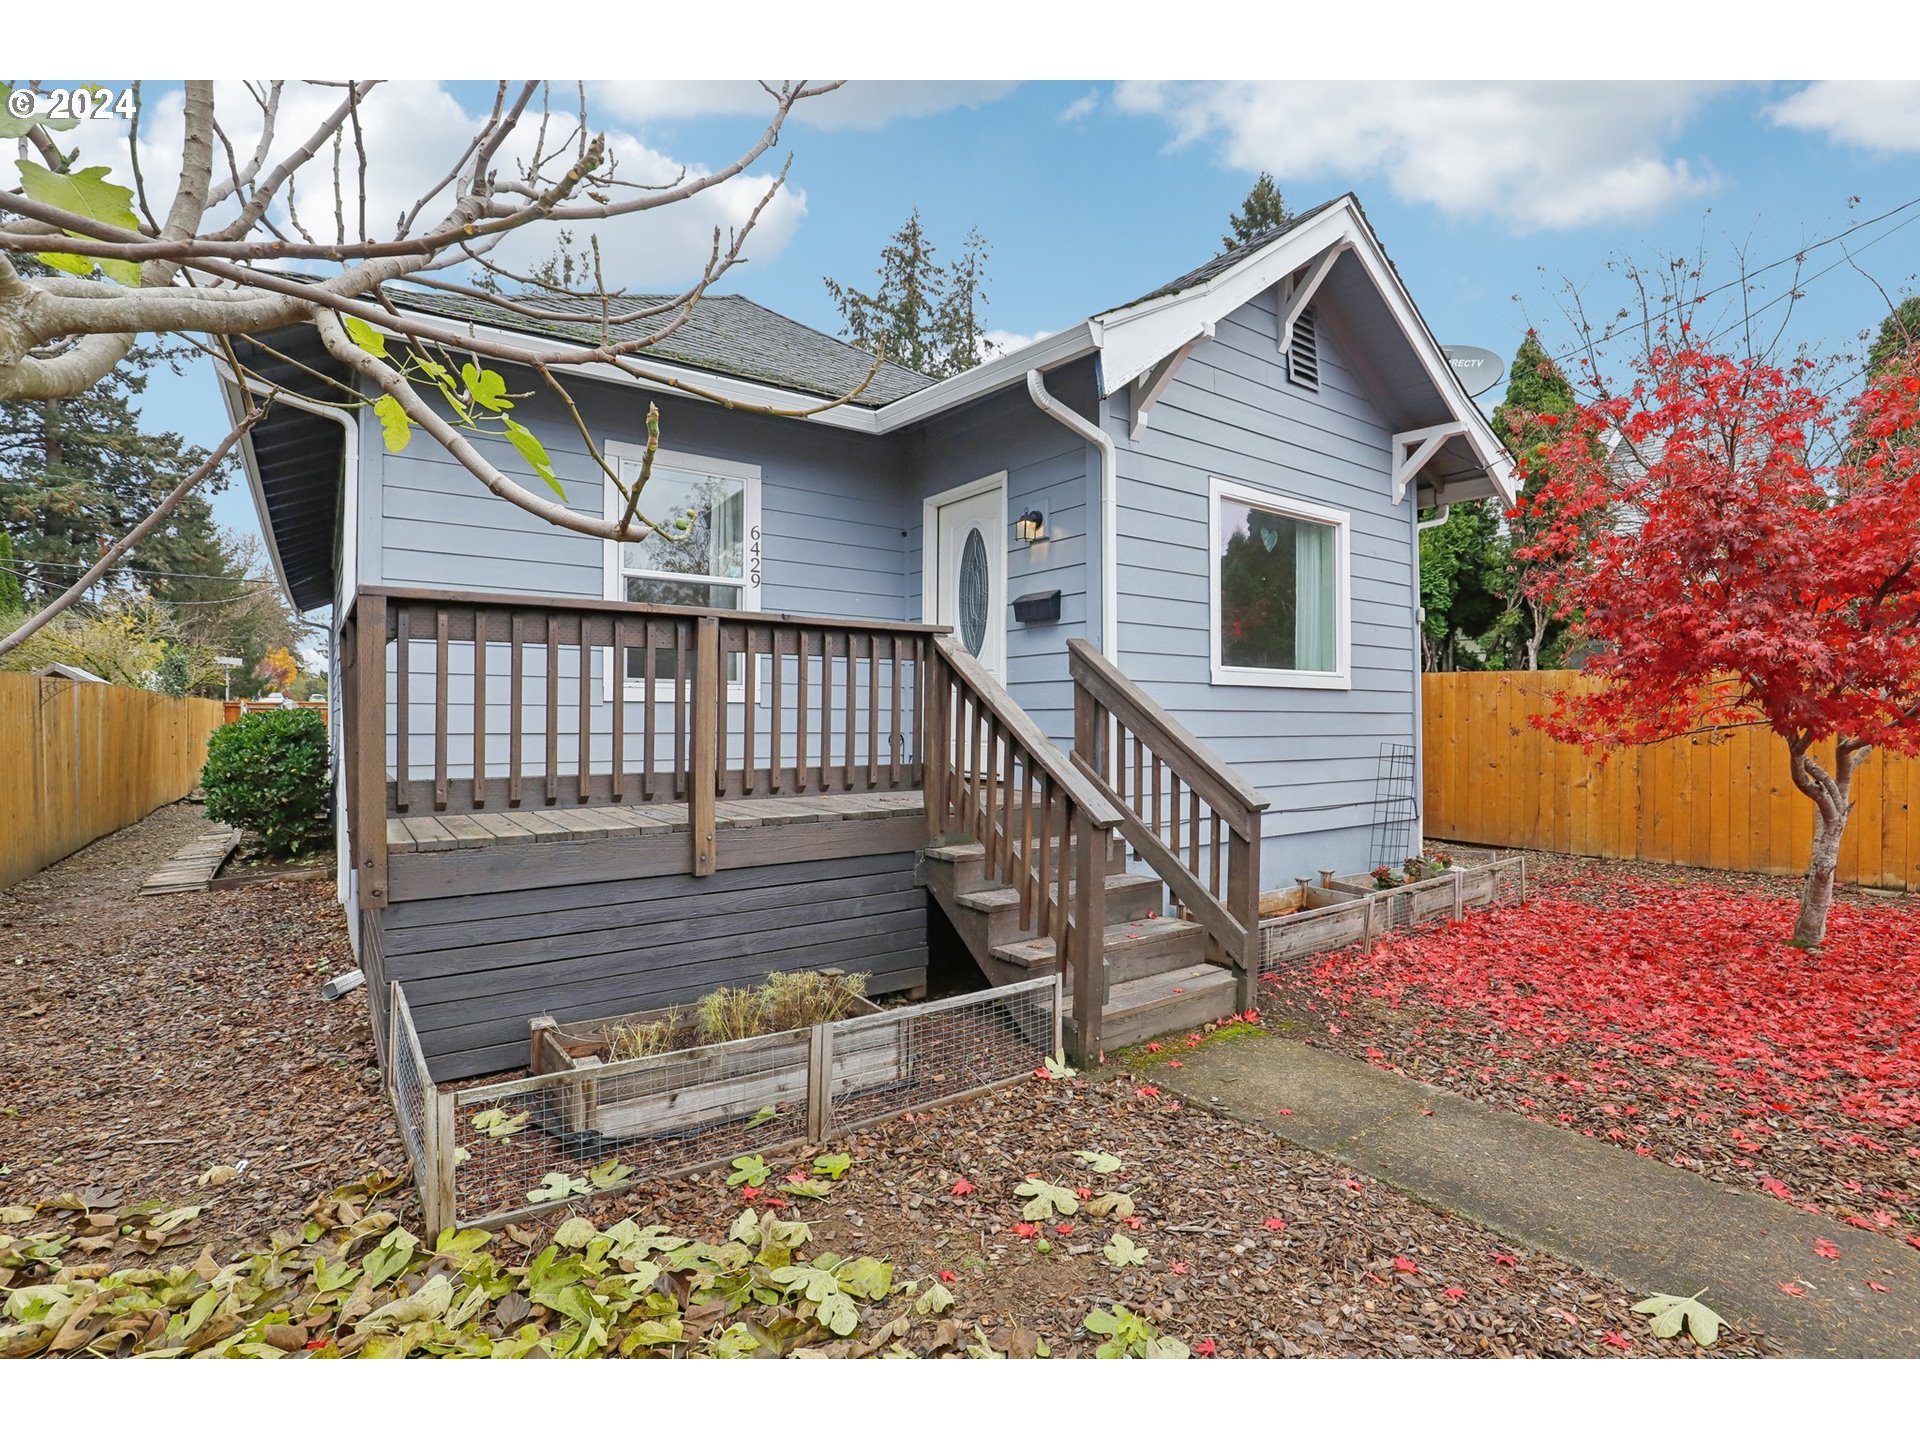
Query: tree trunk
x=1832, y=797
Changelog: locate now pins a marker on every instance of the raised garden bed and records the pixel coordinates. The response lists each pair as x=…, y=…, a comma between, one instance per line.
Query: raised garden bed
x=1346, y=910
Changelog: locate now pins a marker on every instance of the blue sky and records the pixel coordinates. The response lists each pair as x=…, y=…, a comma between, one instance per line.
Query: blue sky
x=1486, y=196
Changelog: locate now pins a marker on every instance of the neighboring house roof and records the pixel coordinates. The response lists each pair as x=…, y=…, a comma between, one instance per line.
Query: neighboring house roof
x=724, y=334
x=62, y=671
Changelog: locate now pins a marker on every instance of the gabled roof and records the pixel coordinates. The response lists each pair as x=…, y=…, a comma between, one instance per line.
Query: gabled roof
x=724, y=335
x=1224, y=262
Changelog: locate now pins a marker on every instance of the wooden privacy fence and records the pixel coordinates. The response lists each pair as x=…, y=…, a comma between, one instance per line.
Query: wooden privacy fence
x=1722, y=800
x=80, y=760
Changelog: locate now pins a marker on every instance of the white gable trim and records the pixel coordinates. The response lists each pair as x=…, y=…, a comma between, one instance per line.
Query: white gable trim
x=1148, y=388
x=1132, y=341
x=1426, y=444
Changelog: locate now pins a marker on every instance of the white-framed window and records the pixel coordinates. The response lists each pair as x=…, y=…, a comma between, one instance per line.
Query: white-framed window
x=1279, y=589
x=707, y=552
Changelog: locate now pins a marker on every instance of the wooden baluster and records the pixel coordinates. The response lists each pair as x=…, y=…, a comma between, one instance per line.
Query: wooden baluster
x=990, y=808
x=1213, y=851
x=480, y=618
x=722, y=736
x=1044, y=885
x=402, y=727
x=1156, y=798
x=747, y=678
x=682, y=678
x=973, y=769
x=516, y=673
x=709, y=684
x=649, y=695
x=586, y=714
x=853, y=724
x=873, y=711
x=778, y=722
x=897, y=738
x=1139, y=798
x=826, y=711
x=800, y=713
x=1062, y=867
x=1026, y=844
x=617, y=683
x=553, y=708
x=440, y=708
x=1193, y=830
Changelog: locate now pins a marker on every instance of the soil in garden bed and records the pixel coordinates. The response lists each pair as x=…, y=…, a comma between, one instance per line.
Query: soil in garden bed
x=1657, y=1008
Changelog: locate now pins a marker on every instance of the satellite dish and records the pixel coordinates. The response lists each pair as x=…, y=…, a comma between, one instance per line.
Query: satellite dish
x=1478, y=370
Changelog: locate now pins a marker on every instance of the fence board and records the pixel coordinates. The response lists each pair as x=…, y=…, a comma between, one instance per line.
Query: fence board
x=1725, y=803
x=80, y=760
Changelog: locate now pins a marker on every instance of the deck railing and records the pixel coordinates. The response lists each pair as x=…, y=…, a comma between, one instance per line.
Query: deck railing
x=992, y=775
x=464, y=703
x=1182, y=808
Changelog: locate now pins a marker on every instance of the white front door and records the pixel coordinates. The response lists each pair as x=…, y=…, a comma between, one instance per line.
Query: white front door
x=967, y=573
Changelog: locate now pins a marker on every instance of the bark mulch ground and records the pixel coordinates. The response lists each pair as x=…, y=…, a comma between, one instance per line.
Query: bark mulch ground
x=1654, y=1007
x=152, y=1042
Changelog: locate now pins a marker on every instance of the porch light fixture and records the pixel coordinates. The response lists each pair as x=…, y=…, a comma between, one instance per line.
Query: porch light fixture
x=1030, y=527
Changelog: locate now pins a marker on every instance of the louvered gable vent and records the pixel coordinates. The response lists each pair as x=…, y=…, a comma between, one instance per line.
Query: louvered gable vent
x=1303, y=357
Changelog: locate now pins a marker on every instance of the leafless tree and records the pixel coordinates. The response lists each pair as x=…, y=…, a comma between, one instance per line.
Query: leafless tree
x=239, y=251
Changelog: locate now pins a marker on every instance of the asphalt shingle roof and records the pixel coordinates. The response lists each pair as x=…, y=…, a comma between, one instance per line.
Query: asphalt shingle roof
x=726, y=335
x=1219, y=264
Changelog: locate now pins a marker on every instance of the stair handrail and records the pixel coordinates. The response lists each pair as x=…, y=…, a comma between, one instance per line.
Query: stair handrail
x=991, y=772
x=1107, y=708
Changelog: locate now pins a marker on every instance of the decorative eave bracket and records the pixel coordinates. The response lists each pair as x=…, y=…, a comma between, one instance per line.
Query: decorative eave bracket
x=1407, y=465
x=1295, y=294
x=1146, y=388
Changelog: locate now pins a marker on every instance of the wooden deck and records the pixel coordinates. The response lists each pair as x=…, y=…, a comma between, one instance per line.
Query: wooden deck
x=416, y=834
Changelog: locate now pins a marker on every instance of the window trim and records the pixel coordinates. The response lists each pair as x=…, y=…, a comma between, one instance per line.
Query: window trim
x=1241, y=492
x=613, y=575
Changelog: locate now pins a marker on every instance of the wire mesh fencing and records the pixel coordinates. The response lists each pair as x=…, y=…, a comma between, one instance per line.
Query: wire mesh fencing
x=1334, y=923
x=407, y=1069
x=491, y=1154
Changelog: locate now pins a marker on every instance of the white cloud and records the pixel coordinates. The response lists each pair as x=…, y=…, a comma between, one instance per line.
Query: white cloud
x=1540, y=155
x=415, y=131
x=857, y=105
x=1875, y=114
x=1080, y=109
x=1005, y=342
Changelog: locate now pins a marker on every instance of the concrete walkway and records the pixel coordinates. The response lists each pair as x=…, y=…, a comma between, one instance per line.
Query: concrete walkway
x=1649, y=1226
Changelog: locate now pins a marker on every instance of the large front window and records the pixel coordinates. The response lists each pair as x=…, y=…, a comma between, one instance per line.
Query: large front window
x=1279, y=571
x=705, y=548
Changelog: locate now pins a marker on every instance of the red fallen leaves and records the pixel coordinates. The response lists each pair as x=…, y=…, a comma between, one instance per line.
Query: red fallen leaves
x=1065, y=1227
x=947, y=1277
x=1147, y=1092
x=1405, y=1265
x=1286, y=1112
x=1826, y=1249
x=1026, y=1230
x=1154, y=1047
x=1085, y=1192
x=1176, y=1064
x=1859, y=1222
x=1788, y=1287
x=1774, y=1188
x=1179, y=1267
x=749, y=1192
x=1501, y=1258
x=1876, y=1285
x=1273, y=1222
x=1617, y=1340
x=1454, y=1292
x=1206, y=1349
x=962, y=1188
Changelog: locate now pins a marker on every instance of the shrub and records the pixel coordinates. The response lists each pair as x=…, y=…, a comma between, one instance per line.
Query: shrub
x=267, y=773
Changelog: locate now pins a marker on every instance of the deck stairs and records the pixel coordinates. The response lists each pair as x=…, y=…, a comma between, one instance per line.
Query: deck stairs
x=1158, y=978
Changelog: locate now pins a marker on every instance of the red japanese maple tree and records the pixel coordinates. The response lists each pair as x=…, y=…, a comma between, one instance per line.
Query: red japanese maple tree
x=1734, y=548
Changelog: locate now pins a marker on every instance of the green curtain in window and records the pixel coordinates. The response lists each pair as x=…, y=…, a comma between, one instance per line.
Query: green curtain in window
x=1313, y=645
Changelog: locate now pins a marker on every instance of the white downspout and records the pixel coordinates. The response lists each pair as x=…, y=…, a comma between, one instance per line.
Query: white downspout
x=1109, y=508
x=349, y=581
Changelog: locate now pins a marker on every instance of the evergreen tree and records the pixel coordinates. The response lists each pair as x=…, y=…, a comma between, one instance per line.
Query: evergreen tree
x=1264, y=209
x=1463, y=565
x=1898, y=339
x=1535, y=387
x=12, y=599
x=925, y=316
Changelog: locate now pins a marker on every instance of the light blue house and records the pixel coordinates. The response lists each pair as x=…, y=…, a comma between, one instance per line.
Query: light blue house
x=1215, y=487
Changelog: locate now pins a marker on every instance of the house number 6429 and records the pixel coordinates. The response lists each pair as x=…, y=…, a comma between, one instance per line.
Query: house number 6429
x=753, y=556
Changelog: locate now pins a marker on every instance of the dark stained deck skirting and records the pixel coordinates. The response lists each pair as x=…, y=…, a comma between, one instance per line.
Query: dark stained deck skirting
x=486, y=934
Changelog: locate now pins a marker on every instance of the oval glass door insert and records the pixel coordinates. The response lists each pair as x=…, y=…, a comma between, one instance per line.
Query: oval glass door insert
x=973, y=597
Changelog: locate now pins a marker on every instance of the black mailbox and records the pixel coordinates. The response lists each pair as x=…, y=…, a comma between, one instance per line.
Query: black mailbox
x=1040, y=608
